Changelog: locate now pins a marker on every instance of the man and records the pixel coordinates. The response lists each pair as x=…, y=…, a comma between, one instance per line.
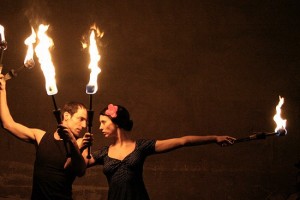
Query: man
x=54, y=171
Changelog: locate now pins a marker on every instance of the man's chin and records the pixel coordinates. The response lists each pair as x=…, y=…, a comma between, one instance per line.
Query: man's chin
x=77, y=135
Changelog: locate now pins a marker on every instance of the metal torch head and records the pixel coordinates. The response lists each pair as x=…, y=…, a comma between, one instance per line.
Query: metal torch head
x=3, y=45
x=90, y=89
x=281, y=132
x=29, y=64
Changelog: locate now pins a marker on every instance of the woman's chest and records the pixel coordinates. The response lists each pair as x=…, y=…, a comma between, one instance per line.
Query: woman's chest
x=120, y=153
x=132, y=161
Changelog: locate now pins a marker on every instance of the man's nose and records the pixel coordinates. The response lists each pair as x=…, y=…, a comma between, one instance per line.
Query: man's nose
x=83, y=124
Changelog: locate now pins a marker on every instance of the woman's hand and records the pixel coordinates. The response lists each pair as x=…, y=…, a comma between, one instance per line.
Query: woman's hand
x=225, y=140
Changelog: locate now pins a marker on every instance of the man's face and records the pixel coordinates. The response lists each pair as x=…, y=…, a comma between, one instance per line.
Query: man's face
x=77, y=122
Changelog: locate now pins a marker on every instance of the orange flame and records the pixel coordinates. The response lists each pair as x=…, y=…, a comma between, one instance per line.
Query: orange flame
x=43, y=53
x=281, y=123
x=95, y=57
x=28, y=62
x=2, y=37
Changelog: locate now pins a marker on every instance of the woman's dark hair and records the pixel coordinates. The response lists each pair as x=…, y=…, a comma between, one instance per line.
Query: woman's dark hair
x=122, y=118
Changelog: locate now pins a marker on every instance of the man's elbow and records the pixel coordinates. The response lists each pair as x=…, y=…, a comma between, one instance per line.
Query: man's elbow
x=6, y=126
x=80, y=171
x=185, y=141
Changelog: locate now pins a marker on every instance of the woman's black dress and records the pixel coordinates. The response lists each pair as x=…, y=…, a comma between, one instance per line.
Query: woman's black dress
x=125, y=177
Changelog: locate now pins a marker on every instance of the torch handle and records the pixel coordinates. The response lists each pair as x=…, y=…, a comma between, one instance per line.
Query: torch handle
x=89, y=153
x=3, y=46
x=14, y=72
x=90, y=124
x=256, y=136
x=1, y=55
x=68, y=154
x=58, y=119
x=261, y=135
x=57, y=115
x=10, y=74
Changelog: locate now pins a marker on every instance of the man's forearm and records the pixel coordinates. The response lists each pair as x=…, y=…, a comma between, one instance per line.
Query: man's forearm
x=76, y=162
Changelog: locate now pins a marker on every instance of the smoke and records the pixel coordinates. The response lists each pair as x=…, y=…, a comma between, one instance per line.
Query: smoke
x=37, y=12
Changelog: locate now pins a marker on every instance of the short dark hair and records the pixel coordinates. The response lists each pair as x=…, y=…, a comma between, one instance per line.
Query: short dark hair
x=71, y=107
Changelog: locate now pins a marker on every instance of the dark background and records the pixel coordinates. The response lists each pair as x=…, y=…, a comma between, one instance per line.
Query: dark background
x=180, y=67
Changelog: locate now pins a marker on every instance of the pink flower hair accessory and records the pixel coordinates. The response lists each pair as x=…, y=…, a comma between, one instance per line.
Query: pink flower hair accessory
x=112, y=111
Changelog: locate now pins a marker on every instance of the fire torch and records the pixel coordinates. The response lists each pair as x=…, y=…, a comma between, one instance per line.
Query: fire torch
x=3, y=45
x=28, y=62
x=92, y=86
x=279, y=130
x=44, y=56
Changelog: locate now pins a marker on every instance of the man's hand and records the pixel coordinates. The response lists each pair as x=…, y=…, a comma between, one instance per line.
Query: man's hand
x=2, y=82
x=65, y=134
x=86, y=141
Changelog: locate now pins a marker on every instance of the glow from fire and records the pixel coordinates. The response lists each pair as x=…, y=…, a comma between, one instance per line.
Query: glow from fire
x=2, y=37
x=281, y=123
x=95, y=57
x=42, y=51
x=29, y=42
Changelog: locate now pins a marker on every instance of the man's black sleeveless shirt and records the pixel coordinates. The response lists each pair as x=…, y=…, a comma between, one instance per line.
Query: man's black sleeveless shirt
x=50, y=180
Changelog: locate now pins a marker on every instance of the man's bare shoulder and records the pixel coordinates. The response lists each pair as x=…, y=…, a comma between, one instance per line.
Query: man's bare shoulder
x=38, y=134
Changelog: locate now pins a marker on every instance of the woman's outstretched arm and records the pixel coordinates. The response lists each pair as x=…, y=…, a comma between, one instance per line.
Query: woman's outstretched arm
x=175, y=143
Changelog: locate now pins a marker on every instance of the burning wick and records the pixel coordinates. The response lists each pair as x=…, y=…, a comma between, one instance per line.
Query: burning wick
x=279, y=130
x=92, y=86
x=43, y=53
x=95, y=57
x=2, y=37
x=3, y=45
x=281, y=123
x=28, y=62
x=90, y=89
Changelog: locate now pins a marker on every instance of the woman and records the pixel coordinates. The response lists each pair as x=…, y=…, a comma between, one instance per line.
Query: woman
x=123, y=160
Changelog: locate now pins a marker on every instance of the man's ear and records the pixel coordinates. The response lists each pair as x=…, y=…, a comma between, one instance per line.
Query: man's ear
x=67, y=116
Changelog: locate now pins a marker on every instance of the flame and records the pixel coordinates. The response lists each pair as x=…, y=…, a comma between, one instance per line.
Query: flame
x=29, y=42
x=281, y=123
x=43, y=53
x=2, y=37
x=95, y=57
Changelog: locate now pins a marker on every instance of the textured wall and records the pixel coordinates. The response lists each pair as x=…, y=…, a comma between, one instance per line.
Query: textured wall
x=180, y=67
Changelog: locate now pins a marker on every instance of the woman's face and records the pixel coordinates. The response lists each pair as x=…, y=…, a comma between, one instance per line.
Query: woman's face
x=107, y=127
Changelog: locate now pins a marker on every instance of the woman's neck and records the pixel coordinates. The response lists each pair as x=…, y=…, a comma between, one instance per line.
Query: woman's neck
x=123, y=137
